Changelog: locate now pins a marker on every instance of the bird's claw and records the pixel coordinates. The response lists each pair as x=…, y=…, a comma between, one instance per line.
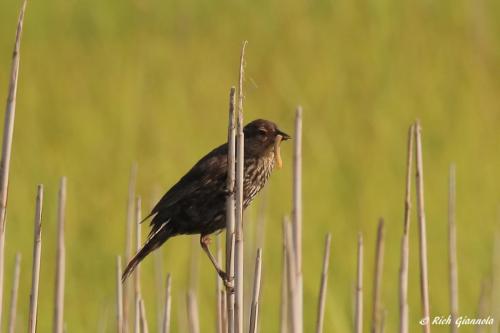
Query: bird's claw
x=228, y=283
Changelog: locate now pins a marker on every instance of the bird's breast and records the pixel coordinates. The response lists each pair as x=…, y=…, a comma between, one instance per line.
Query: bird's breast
x=256, y=174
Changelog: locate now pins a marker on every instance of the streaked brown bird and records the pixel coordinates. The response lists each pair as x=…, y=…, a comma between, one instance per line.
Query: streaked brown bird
x=196, y=204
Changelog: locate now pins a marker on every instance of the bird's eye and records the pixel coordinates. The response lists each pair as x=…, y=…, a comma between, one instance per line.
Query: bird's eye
x=262, y=131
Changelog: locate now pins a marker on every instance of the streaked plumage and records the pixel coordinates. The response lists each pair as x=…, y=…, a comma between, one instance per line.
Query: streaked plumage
x=196, y=203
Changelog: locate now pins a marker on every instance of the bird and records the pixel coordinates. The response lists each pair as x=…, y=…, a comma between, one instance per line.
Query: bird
x=196, y=204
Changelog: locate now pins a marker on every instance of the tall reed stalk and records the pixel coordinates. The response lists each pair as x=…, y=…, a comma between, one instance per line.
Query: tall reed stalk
x=239, y=240
x=37, y=252
x=297, y=218
x=230, y=214
x=11, y=328
x=405, y=246
x=424, y=281
x=8, y=133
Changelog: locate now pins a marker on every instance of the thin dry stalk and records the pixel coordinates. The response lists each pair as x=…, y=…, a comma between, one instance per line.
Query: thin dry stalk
x=230, y=217
x=137, y=321
x=239, y=241
x=58, y=320
x=377, y=282
x=137, y=280
x=224, y=311
x=159, y=283
x=127, y=295
x=119, y=295
x=13, y=295
x=452, y=234
x=219, y=289
x=358, y=314
x=424, y=282
x=483, y=306
x=37, y=251
x=297, y=214
x=291, y=277
x=323, y=286
x=8, y=131
x=405, y=248
x=193, y=317
x=284, y=287
x=144, y=320
x=254, y=312
x=168, y=305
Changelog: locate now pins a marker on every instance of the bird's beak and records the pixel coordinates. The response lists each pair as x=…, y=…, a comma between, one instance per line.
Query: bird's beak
x=284, y=136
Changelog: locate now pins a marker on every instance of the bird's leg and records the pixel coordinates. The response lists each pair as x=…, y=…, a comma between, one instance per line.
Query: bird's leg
x=204, y=242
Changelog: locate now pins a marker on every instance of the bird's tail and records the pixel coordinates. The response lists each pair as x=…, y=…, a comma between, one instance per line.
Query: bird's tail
x=153, y=242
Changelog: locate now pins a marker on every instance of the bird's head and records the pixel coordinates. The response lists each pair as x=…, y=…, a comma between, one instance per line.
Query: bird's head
x=261, y=136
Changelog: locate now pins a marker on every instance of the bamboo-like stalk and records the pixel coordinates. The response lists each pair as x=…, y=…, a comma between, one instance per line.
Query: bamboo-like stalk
x=377, y=281
x=323, y=286
x=405, y=248
x=284, y=286
x=14, y=294
x=239, y=241
x=8, y=132
x=137, y=321
x=230, y=217
x=168, y=305
x=159, y=284
x=58, y=320
x=193, y=316
x=452, y=255
x=137, y=280
x=358, y=310
x=144, y=320
x=224, y=311
x=254, y=312
x=37, y=251
x=424, y=282
x=383, y=321
x=218, y=290
x=127, y=288
x=119, y=295
x=291, y=277
x=297, y=215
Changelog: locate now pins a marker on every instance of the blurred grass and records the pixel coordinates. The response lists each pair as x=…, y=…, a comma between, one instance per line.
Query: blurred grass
x=106, y=83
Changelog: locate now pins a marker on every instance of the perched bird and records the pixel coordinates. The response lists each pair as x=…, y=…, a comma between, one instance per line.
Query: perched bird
x=196, y=204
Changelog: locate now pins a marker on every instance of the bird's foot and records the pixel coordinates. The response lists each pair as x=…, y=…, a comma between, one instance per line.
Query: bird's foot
x=228, y=283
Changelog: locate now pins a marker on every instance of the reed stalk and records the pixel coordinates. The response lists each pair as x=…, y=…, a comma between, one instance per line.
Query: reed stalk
x=239, y=240
x=424, y=282
x=119, y=295
x=284, y=286
x=297, y=215
x=405, y=246
x=144, y=320
x=137, y=273
x=377, y=281
x=254, y=312
x=129, y=231
x=292, y=278
x=37, y=251
x=8, y=132
x=168, y=305
x=230, y=214
x=11, y=328
x=192, y=309
x=323, y=286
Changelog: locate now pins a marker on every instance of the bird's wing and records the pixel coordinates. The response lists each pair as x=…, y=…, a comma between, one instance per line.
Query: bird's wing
x=211, y=166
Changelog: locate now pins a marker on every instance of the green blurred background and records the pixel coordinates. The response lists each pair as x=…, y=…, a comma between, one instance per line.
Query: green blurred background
x=106, y=83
